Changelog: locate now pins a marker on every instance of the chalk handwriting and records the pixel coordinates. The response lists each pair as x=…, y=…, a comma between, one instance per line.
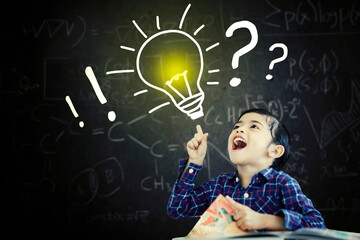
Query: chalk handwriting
x=312, y=12
x=323, y=66
x=157, y=183
x=341, y=204
x=331, y=170
x=140, y=216
x=232, y=114
x=73, y=31
x=297, y=154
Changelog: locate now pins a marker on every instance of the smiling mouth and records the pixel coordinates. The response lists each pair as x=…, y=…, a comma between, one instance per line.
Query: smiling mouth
x=238, y=143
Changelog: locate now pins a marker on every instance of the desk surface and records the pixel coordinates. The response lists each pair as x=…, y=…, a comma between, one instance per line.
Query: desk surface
x=303, y=233
x=231, y=238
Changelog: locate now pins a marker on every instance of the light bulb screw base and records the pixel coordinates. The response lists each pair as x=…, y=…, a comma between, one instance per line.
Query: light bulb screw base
x=197, y=114
x=192, y=106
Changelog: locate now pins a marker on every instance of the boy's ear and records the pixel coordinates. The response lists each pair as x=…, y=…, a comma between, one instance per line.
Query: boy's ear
x=276, y=151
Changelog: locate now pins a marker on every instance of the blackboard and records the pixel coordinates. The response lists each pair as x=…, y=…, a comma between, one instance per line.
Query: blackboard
x=112, y=177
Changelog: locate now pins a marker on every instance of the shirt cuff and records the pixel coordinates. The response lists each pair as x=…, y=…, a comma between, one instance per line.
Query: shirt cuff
x=292, y=220
x=190, y=173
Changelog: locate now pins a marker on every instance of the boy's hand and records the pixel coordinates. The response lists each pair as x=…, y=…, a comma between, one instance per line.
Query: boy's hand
x=197, y=146
x=245, y=217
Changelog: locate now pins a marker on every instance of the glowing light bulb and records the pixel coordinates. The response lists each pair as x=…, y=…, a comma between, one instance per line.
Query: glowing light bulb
x=171, y=61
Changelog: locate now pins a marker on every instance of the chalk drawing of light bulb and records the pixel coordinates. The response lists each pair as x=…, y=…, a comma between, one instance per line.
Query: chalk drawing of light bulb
x=171, y=61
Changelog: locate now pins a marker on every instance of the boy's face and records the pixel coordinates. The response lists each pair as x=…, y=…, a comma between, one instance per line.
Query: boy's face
x=249, y=140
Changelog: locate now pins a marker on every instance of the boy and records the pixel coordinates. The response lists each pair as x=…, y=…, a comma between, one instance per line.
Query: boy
x=263, y=196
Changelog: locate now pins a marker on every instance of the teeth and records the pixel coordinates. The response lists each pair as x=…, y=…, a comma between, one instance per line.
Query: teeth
x=236, y=141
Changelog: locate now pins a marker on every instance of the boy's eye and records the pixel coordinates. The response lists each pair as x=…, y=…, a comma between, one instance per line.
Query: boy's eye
x=236, y=126
x=254, y=126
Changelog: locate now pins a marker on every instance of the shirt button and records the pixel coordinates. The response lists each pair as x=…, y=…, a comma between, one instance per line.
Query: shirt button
x=191, y=170
x=246, y=195
x=237, y=179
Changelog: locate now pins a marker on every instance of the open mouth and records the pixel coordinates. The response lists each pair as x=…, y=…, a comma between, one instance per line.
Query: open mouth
x=238, y=143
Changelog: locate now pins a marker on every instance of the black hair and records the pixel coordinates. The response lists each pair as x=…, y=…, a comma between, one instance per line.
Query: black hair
x=279, y=134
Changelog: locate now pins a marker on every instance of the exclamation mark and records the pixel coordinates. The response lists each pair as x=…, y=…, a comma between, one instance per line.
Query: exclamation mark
x=69, y=102
x=91, y=76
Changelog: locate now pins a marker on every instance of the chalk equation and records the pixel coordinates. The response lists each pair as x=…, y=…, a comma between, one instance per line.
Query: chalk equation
x=315, y=13
x=315, y=73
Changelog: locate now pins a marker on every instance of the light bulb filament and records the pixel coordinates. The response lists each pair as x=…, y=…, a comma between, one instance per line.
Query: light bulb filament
x=176, y=78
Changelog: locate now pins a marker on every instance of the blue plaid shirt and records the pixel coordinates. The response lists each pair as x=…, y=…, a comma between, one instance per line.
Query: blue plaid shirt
x=270, y=192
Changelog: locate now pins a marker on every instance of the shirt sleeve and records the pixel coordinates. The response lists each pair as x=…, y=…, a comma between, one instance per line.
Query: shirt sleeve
x=299, y=211
x=186, y=200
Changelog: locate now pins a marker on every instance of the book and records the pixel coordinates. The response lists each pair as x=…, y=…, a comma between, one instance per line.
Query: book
x=217, y=222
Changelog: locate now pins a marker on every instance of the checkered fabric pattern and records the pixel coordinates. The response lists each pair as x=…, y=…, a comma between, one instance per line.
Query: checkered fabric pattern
x=270, y=192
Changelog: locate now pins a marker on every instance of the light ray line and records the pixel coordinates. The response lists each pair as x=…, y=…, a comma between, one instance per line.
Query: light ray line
x=140, y=92
x=157, y=22
x=128, y=48
x=120, y=71
x=158, y=107
x=198, y=30
x=139, y=29
x=212, y=83
x=212, y=46
x=183, y=16
x=214, y=71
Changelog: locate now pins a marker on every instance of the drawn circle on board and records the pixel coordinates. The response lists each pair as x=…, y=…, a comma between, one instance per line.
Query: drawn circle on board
x=83, y=188
x=110, y=176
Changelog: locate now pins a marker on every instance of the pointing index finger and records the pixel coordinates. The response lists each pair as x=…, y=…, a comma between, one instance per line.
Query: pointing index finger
x=199, y=130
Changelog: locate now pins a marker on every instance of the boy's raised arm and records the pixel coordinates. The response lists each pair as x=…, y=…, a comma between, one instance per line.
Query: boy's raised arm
x=196, y=148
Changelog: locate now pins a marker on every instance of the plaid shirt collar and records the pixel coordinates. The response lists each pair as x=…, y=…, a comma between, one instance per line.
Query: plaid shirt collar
x=260, y=177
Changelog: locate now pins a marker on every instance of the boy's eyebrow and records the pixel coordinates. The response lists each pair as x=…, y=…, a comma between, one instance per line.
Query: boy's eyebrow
x=252, y=121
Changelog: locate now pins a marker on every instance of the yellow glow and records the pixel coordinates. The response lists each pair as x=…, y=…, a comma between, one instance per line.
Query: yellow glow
x=173, y=65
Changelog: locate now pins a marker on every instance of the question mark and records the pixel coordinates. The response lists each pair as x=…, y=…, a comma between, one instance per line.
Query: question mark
x=277, y=60
x=254, y=39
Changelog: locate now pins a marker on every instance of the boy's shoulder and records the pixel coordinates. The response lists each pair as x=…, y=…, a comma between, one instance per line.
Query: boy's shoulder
x=280, y=177
x=224, y=177
x=227, y=175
